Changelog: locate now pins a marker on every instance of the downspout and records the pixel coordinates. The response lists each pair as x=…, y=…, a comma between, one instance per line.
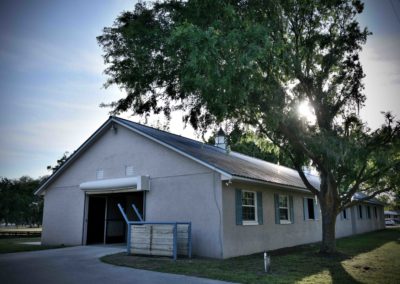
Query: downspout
x=220, y=214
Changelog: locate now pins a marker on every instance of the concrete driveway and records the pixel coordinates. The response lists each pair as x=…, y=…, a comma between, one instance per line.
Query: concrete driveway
x=79, y=265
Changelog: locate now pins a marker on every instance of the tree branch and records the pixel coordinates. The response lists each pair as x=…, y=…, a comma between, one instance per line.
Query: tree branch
x=361, y=200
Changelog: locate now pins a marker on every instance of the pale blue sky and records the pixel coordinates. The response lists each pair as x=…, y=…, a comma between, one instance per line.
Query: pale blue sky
x=51, y=76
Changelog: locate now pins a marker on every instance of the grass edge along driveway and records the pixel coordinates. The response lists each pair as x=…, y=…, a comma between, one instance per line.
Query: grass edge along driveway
x=9, y=245
x=368, y=258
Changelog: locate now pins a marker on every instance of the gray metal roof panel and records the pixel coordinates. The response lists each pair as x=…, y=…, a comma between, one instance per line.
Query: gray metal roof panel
x=233, y=163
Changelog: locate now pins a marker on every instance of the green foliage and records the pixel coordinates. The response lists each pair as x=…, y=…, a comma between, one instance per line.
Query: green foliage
x=253, y=63
x=60, y=162
x=249, y=143
x=18, y=204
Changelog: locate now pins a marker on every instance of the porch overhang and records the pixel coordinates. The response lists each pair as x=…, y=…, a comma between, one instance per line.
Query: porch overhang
x=139, y=183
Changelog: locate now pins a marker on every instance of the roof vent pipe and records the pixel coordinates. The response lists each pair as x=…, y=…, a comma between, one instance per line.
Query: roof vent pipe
x=220, y=139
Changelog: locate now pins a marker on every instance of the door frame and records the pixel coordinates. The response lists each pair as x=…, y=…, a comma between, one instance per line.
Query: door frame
x=105, y=195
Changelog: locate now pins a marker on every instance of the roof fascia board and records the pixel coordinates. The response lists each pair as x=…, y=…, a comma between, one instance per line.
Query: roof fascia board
x=249, y=180
x=73, y=157
x=227, y=175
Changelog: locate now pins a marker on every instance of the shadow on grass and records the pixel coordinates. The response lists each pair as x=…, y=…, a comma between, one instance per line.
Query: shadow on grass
x=301, y=263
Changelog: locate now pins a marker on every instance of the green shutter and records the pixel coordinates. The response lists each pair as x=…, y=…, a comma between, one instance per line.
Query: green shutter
x=291, y=209
x=239, y=207
x=259, y=208
x=305, y=208
x=316, y=210
x=277, y=216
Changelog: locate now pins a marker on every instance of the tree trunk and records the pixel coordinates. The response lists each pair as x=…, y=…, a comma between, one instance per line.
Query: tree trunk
x=328, y=245
x=329, y=201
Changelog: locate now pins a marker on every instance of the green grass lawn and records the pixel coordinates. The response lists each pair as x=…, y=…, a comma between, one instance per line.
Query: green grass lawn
x=8, y=245
x=368, y=258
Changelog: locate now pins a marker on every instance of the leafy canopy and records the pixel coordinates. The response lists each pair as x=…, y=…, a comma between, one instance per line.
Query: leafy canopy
x=253, y=63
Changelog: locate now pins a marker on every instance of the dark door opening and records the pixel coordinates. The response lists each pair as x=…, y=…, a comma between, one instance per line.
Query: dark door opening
x=96, y=215
x=105, y=222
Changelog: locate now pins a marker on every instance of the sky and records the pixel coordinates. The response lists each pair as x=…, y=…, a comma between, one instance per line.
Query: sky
x=51, y=76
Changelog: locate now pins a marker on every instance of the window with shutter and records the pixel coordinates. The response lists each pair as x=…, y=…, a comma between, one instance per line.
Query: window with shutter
x=283, y=209
x=248, y=207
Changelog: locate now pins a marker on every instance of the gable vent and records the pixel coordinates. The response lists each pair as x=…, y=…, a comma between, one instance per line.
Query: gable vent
x=100, y=174
x=129, y=171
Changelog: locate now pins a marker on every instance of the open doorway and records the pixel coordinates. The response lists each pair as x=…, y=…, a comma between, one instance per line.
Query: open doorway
x=105, y=223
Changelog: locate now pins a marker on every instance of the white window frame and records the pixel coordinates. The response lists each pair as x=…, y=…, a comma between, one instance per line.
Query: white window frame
x=288, y=221
x=255, y=221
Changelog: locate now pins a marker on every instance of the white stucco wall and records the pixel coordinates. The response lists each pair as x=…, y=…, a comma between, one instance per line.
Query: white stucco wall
x=368, y=224
x=344, y=227
x=181, y=190
x=248, y=239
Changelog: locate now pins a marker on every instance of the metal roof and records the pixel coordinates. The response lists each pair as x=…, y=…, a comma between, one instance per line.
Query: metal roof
x=360, y=195
x=233, y=163
x=229, y=163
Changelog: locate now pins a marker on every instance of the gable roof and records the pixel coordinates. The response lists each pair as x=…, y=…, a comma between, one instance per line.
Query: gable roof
x=232, y=165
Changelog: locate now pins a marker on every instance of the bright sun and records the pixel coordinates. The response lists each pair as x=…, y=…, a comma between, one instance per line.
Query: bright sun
x=306, y=111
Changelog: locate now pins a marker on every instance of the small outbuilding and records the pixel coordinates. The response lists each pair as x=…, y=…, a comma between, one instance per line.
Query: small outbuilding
x=236, y=204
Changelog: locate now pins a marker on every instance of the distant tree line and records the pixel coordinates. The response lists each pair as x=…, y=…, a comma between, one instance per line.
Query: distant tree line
x=18, y=204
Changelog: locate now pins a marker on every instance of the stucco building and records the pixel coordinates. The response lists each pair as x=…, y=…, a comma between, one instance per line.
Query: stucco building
x=237, y=204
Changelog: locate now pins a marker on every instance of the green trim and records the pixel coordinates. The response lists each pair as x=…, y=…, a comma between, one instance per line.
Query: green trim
x=259, y=208
x=238, y=209
x=277, y=215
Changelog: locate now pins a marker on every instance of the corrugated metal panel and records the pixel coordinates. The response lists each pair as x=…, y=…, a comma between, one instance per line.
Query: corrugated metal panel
x=232, y=162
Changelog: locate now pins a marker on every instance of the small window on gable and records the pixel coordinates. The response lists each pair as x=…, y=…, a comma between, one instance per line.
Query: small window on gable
x=129, y=171
x=100, y=174
x=360, y=213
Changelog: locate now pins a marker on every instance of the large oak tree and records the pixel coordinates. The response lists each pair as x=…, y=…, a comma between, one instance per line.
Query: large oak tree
x=253, y=63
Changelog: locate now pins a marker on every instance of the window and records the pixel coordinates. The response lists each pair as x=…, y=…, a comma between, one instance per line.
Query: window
x=310, y=209
x=360, y=213
x=283, y=209
x=344, y=214
x=376, y=212
x=249, y=207
x=368, y=212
